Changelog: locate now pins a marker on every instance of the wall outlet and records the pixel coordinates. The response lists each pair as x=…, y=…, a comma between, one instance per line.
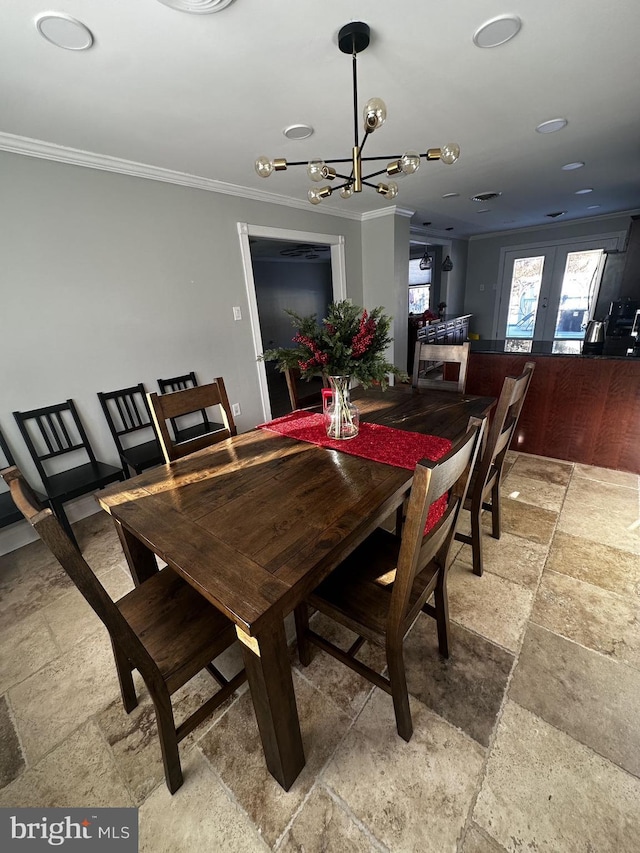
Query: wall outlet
x=237, y=313
x=482, y=287
x=235, y=408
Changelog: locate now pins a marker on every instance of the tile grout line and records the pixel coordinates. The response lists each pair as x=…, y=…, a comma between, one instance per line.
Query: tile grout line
x=505, y=697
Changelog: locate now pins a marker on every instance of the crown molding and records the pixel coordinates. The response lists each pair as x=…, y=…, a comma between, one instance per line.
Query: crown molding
x=393, y=210
x=103, y=162
x=603, y=217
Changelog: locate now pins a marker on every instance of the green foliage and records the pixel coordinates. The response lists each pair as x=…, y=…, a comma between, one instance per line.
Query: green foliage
x=348, y=342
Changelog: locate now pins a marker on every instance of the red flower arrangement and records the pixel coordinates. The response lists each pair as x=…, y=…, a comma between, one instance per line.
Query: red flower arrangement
x=350, y=341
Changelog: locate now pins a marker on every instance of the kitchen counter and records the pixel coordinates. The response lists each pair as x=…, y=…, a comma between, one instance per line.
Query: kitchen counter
x=579, y=408
x=541, y=349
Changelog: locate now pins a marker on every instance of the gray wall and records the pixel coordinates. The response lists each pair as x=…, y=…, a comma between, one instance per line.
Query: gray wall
x=109, y=280
x=484, y=257
x=303, y=287
x=385, y=273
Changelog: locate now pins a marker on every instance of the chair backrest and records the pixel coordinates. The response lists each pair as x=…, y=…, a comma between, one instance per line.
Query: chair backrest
x=52, y=432
x=503, y=425
x=126, y=411
x=52, y=534
x=8, y=512
x=181, y=383
x=165, y=407
x=450, y=475
x=292, y=375
x=436, y=354
x=177, y=383
x=8, y=457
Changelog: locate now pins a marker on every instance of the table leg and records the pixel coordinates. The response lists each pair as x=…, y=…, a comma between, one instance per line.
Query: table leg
x=142, y=561
x=266, y=660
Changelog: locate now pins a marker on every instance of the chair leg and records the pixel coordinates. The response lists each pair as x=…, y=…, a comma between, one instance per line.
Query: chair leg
x=441, y=603
x=125, y=677
x=61, y=515
x=399, y=692
x=168, y=740
x=301, y=617
x=495, y=510
x=476, y=536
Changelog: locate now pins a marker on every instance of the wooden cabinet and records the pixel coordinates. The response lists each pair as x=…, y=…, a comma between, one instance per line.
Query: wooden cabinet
x=578, y=409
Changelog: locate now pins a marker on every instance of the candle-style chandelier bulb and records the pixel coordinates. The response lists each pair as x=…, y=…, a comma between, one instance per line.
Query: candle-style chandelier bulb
x=409, y=162
x=266, y=165
x=314, y=169
x=450, y=153
x=316, y=194
x=388, y=190
x=375, y=114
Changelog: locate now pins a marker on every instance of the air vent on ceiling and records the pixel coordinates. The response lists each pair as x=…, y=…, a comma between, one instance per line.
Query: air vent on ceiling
x=485, y=196
x=556, y=214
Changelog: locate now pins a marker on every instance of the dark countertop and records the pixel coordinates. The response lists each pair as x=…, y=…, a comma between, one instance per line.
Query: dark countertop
x=540, y=348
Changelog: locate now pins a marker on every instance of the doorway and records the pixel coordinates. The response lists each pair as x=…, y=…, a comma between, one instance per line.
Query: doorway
x=300, y=271
x=548, y=293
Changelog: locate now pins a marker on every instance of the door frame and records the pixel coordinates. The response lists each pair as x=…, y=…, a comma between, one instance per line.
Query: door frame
x=338, y=281
x=571, y=244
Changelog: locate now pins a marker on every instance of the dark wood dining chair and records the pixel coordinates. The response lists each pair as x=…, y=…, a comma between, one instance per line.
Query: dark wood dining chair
x=127, y=413
x=484, y=490
x=298, y=401
x=192, y=424
x=433, y=366
x=9, y=513
x=52, y=433
x=167, y=407
x=163, y=628
x=381, y=588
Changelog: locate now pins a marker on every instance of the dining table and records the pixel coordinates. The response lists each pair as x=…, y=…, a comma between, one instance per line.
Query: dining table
x=257, y=521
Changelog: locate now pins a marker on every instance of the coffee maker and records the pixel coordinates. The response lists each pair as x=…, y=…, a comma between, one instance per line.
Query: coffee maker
x=620, y=322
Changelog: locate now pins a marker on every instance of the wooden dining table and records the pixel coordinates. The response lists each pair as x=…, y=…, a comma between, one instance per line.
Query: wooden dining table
x=255, y=522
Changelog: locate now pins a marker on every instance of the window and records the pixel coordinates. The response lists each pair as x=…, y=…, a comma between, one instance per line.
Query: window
x=549, y=293
x=419, y=287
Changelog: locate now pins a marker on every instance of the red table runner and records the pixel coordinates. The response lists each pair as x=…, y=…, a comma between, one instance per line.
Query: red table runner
x=374, y=441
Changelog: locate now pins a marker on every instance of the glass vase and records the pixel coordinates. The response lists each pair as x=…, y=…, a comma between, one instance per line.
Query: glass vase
x=342, y=419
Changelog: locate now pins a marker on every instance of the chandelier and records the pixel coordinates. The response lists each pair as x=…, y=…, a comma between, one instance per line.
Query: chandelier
x=353, y=38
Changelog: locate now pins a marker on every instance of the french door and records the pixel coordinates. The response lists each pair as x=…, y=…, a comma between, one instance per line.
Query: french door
x=549, y=293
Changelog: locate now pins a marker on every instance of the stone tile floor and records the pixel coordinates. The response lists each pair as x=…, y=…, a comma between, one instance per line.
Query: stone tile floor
x=526, y=739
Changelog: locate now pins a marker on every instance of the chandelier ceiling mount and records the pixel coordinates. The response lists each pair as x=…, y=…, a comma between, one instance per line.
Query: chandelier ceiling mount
x=353, y=38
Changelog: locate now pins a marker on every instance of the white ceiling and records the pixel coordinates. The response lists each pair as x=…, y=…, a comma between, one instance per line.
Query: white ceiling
x=206, y=94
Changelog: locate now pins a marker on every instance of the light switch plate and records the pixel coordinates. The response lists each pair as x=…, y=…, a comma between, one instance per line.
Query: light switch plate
x=235, y=410
x=237, y=313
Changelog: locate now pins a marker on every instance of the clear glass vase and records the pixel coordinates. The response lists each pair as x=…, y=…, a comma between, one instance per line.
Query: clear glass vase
x=342, y=419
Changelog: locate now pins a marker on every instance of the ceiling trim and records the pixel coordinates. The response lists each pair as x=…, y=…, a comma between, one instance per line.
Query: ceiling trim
x=387, y=211
x=76, y=157
x=547, y=225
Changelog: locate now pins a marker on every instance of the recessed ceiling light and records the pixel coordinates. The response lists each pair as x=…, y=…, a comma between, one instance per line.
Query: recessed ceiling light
x=593, y=207
x=298, y=131
x=64, y=31
x=552, y=125
x=197, y=7
x=484, y=210
x=584, y=191
x=487, y=196
x=569, y=167
x=497, y=31
x=451, y=195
